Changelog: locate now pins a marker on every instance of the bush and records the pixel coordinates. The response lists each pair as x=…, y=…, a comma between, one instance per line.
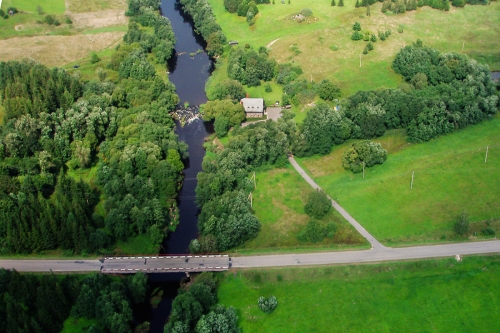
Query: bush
x=306, y=12
x=365, y=50
x=334, y=47
x=12, y=9
x=49, y=19
x=314, y=232
x=488, y=231
x=369, y=46
x=68, y=20
x=357, y=36
x=462, y=225
x=268, y=88
x=94, y=58
x=373, y=38
x=318, y=204
x=356, y=26
x=365, y=153
x=267, y=305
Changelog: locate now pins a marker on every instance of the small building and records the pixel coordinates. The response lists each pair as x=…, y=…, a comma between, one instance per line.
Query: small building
x=254, y=107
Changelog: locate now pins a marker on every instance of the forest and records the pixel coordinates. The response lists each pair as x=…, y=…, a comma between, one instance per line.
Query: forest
x=41, y=303
x=58, y=126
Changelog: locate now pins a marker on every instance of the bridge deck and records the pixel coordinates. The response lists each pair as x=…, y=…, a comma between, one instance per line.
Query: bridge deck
x=165, y=264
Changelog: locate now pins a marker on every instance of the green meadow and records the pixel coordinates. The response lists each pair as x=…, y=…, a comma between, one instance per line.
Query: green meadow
x=473, y=28
x=56, y=7
x=450, y=176
x=278, y=202
x=422, y=296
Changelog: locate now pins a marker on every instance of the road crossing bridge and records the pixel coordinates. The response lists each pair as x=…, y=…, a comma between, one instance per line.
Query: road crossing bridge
x=166, y=264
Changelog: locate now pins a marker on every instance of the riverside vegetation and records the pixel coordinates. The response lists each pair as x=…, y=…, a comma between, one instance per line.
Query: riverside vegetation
x=116, y=134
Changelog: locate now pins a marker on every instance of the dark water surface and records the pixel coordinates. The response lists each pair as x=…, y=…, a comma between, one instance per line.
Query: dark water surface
x=189, y=76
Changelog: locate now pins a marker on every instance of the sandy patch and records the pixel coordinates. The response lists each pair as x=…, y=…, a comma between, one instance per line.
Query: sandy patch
x=56, y=50
x=99, y=19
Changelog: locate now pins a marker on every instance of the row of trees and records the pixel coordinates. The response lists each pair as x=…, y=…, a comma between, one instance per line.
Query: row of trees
x=226, y=218
x=195, y=309
x=206, y=25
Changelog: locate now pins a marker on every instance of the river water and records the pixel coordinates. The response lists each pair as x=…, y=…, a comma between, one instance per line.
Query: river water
x=189, y=75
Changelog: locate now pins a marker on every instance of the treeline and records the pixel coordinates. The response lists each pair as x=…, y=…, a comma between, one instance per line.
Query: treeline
x=442, y=93
x=41, y=303
x=402, y=6
x=57, y=126
x=226, y=218
x=195, y=309
x=206, y=25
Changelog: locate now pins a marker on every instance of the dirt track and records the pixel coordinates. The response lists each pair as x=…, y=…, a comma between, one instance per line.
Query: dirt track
x=56, y=50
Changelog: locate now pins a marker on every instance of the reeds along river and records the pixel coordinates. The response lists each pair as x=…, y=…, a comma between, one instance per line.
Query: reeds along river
x=189, y=75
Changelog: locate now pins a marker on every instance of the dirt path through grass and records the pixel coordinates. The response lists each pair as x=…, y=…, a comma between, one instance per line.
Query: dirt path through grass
x=376, y=245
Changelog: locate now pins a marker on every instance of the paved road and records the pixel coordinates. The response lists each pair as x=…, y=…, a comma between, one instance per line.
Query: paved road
x=52, y=265
x=373, y=255
x=374, y=243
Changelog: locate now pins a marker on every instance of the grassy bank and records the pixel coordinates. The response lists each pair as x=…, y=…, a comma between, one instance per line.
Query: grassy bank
x=473, y=27
x=422, y=296
x=278, y=202
x=450, y=176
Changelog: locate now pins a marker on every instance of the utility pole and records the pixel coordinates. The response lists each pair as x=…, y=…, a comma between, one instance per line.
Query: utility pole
x=254, y=181
x=486, y=158
x=251, y=199
x=411, y=185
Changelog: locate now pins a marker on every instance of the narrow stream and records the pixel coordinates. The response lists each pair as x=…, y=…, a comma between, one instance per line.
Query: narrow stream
x=189, y=75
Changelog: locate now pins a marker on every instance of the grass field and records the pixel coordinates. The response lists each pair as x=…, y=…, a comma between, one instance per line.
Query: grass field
x=422, y=296
x=450, y=177
x=79, y=6
x=78, y=325
x=56, y=7
x=278, y=202
x=475, y=26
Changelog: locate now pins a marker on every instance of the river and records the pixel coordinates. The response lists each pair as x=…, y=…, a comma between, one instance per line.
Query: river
x=189, y=75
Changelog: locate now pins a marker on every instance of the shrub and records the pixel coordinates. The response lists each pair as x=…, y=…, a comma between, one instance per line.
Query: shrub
x=373, y=38
x=49, y=19
x=334, y=47
x=57, y=23
x=462, y=225
x=267, y=305
x=357, y=35
x=318, y=204
x=221, y=126
x=306, y=12
x=488, y=231
x=369, y=46
x=365, y=50
x=39, y=10
x=68, y=20
x=314, y=232
x=12, y=9
x=365, y=153
x=356, y=26
x=268, y=88
x=94, y=58
x=2, y=13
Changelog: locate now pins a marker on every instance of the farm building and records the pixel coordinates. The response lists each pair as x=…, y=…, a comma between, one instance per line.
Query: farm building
x=254, y=107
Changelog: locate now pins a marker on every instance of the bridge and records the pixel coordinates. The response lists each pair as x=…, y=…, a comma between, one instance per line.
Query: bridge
x=166, y=264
